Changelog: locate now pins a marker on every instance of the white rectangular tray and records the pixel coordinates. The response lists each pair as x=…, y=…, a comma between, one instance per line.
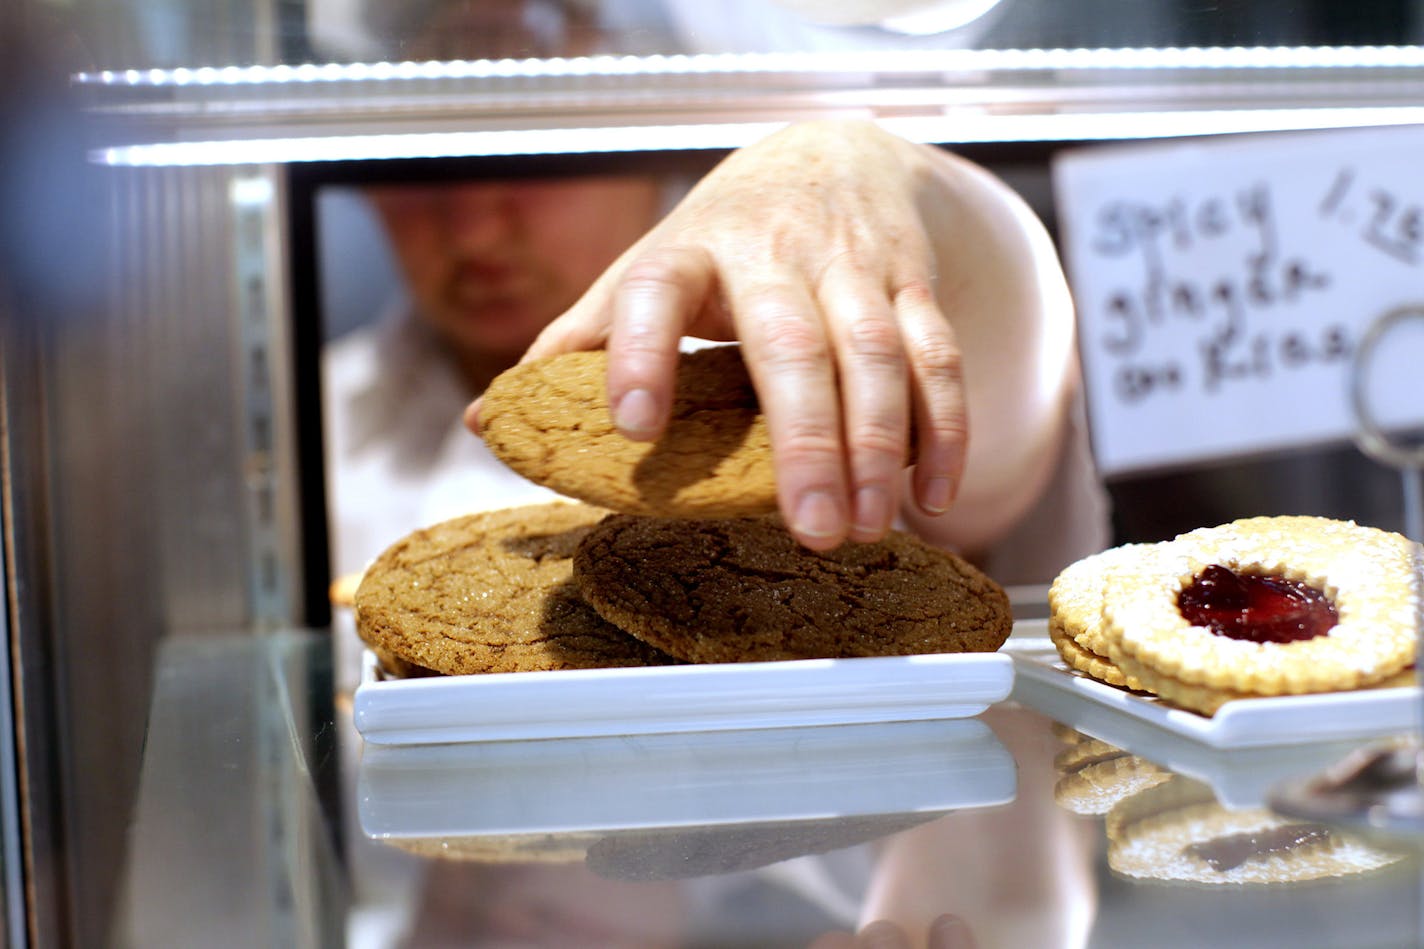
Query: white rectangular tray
x=665, y=699
x=1044, y=682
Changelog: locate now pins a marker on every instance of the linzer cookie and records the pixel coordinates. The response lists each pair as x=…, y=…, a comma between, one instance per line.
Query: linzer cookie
x=1265, y=606
x=1261, y=606
x=1075, y=604
x=491, y=592
x=549, y=420
x=742, y=589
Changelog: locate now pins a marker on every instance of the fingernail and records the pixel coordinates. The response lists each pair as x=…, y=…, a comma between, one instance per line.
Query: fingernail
x=636, y=413
x=872, y=510
x=817, y=515
x=939, y=492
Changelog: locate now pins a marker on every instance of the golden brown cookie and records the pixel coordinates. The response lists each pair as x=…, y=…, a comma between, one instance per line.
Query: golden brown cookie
x=492, y=592
x=1364, y=575
x=393, y=666
x=1075, y=614
x=549, y=420
x=742, y=589
x=1090, y=663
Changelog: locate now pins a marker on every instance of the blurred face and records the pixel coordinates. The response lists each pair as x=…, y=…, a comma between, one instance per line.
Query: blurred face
x=489, y=264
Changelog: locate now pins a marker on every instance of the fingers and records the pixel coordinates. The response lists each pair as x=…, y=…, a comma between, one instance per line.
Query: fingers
x=653, y=305
x=950, y=932
x=874, y=392
x=946, y=932
x=941, y=419
x=882, y=934
x=788, y=355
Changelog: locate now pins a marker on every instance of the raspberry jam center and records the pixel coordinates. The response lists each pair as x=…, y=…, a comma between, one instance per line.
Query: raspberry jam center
x=1261, y=609
x=1227, y=853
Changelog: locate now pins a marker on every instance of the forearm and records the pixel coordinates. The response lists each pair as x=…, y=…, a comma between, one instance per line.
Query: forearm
x=1000, y=285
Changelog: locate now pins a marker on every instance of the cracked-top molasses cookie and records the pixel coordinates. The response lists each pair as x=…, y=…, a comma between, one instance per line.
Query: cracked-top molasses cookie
x=742, y=589
x=492, y=592
x=549, y=420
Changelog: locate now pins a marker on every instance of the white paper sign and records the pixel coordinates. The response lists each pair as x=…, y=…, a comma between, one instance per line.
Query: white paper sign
x=1222, y=287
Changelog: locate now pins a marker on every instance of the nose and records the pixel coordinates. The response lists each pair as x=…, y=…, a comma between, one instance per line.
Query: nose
x=479, y=216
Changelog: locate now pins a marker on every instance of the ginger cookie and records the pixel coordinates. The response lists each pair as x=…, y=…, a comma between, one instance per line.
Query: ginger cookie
x=491, y=592
x=742, y=589
x=550, y=421
x=1265, y=606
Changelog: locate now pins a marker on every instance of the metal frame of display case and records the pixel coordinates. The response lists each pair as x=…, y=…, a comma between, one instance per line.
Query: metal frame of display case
x=208, y=178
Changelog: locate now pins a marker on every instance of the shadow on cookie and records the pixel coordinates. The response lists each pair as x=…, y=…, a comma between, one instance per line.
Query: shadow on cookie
x=695, y=450
x=560, y=545
x=576, y=637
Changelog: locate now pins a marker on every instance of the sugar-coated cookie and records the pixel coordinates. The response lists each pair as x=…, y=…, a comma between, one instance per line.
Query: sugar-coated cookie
x=1257, y=607
x=1331, y=605
x=550, y=421
x=1075, y=611
x=492, y=592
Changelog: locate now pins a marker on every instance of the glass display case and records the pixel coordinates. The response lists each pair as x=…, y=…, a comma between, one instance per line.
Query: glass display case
x=186, y=231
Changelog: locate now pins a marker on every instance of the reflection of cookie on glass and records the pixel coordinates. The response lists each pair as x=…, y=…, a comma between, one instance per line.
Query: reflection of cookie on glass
x=1176, y=832
x=491, y=592
x=498, y=848
x=743, y=589
x=1094, y=776
x=682, y=853
x=549, y=420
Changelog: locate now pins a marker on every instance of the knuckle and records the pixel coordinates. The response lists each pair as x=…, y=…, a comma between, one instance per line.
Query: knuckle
x=876, y=339
x=880, y=437
x=938, y=356
x=792, y=342
x=809, y=443
x=944, y=432
x=652, y=274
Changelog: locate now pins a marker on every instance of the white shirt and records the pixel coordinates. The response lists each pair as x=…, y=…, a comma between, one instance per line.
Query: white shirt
x=398, y=454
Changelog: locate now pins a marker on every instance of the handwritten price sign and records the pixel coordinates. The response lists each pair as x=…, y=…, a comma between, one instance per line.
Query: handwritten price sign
x=1223, y=286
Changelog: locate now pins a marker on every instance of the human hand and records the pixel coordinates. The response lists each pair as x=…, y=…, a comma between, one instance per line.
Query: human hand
x=946, y=932
x=860, y=272
x=808, y=247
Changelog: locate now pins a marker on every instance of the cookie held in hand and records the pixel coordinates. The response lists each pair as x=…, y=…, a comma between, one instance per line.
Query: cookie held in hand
x=743, y=590
x=549, y=420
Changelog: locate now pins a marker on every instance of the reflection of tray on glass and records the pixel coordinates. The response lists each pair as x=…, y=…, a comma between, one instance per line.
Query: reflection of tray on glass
x=666, y=699
x=726, y=778
x=1242, y=751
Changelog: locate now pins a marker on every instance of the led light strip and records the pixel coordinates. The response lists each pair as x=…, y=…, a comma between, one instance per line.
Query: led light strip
x=956, y=128
x=883, y=61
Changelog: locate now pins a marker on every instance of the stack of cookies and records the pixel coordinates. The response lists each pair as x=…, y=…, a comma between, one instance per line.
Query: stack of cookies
x=666, y=552
x=1258, y=607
